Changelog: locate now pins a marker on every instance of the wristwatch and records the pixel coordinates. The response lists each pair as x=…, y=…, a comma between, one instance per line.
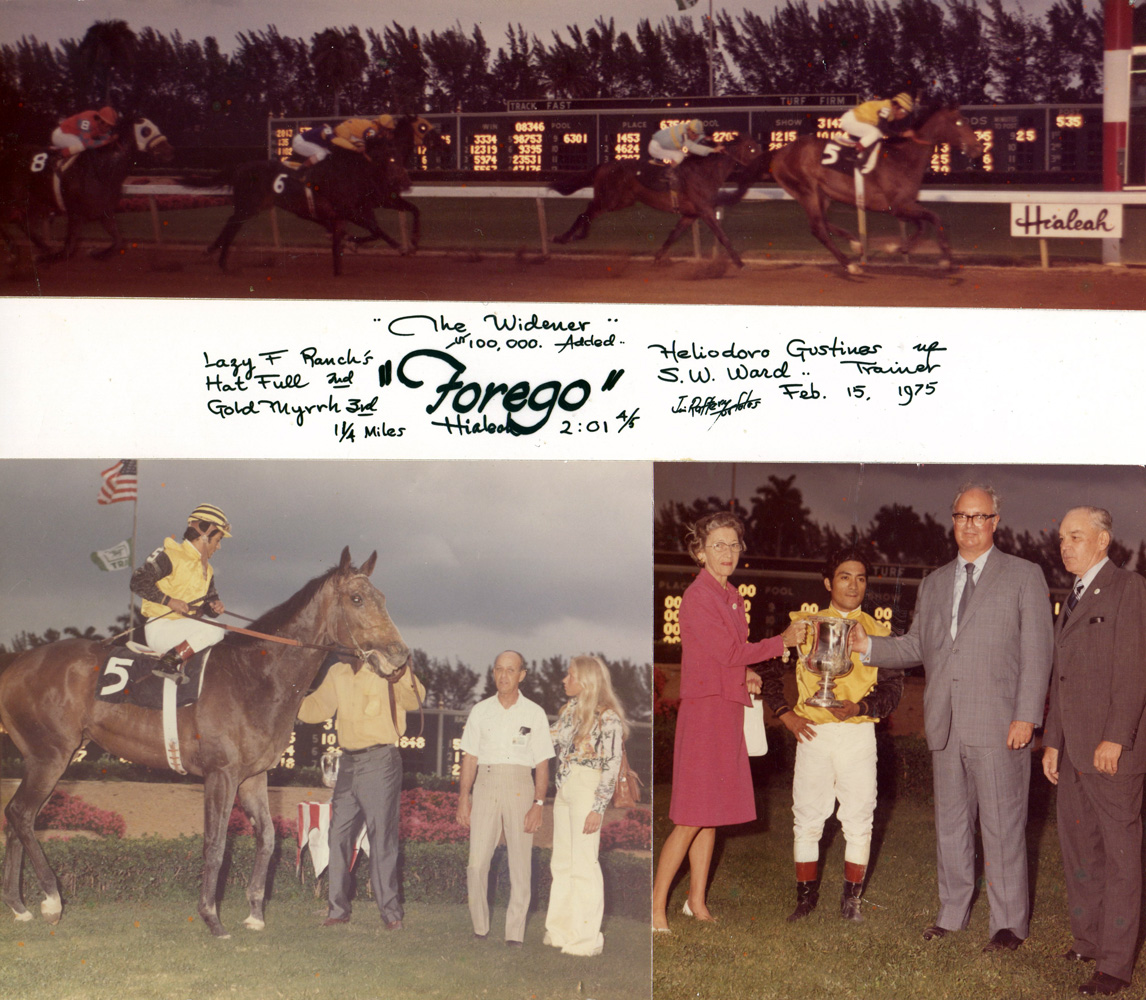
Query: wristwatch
x=539, y=802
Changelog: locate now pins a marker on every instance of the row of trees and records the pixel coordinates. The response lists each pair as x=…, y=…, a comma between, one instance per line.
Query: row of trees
x=778, y=524
x=453, y=686
x=972, y=52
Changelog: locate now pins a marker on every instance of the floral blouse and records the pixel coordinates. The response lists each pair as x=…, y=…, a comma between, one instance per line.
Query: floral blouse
x=600, y=749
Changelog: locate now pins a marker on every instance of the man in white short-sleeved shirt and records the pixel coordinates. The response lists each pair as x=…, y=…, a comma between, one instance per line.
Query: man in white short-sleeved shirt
x=506, y=737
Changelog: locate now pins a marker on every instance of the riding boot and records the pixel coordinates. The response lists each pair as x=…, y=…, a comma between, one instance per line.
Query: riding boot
x=170, y=665
x=807, y=890
x=853, y=891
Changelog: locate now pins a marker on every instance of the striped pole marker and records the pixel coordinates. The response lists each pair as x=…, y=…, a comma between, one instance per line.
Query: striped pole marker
x=1115, y=104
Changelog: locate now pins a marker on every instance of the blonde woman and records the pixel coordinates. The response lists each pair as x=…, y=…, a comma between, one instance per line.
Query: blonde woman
x=588, y=737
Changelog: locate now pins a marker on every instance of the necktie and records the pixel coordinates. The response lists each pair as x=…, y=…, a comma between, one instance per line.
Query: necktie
x=968, y=590
x=1072, y=601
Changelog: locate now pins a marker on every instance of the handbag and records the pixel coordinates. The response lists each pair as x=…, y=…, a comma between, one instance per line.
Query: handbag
x=755, y=732
x=627, y=792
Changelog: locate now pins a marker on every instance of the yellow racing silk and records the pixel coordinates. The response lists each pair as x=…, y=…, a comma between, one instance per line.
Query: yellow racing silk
x=188, y=580
x=854, y=686
x=353, y=133
x=873, y=112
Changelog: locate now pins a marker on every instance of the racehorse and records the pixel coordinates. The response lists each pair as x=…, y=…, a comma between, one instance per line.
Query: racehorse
x=88, y=187
x=808, y=170
x=251, y=692
x=411, y=133
x=344, y=187
x=620, y=184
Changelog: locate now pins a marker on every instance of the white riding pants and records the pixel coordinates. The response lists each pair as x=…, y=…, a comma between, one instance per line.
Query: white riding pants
x=163, y=634
x=838, y=765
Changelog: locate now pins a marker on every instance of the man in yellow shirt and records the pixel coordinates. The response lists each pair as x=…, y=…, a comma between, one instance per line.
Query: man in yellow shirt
x=835, y=747
x=371, y=720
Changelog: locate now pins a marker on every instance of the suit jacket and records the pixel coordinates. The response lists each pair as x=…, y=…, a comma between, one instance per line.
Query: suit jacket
x=995, y=669
x=1098, y=684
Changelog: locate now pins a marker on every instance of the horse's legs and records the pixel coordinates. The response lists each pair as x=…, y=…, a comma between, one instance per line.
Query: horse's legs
x=109, y=223
x=253, y=799
x=710, y=221
x=918, y=215
x=580, y=228
x=682, y=224
x=40, y=777
x=218, y=798
x=367, y=220
x=815, y=211
x=337, y=232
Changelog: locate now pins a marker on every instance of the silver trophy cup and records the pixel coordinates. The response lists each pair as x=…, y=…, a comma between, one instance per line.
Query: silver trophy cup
x=824, y=653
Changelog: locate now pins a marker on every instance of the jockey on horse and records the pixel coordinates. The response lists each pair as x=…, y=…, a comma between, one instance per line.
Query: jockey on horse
x=673, y=143
x=868, y=123
x=177, y=580
x=86, y=130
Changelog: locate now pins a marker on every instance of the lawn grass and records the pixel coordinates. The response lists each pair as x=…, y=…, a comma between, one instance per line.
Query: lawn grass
x=162, y=951
x=761, y=231
x=754, y=952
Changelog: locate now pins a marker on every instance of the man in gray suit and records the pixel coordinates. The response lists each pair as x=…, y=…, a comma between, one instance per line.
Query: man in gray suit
x=982, y=630
x=1093, y=754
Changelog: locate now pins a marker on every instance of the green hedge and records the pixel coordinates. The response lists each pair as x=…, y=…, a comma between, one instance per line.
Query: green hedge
x=153, y=868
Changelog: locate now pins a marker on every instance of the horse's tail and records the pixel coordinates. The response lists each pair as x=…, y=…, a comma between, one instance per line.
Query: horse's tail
x=569, y=183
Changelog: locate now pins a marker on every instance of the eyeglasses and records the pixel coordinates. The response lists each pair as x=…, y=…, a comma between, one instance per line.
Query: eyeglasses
x=721, y=547
x=976, y=519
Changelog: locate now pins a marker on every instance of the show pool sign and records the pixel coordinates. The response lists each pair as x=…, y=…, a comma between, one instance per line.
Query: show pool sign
x=1064, y=219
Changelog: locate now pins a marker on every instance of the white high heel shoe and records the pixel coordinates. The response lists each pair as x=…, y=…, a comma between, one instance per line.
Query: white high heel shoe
x=687, y=910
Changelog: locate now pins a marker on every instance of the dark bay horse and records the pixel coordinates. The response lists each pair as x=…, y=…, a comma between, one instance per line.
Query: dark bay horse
x=237, y=729
x=344, y=187
x=892, y=186
x=87, y=189
x=621, y=184
x=412, y=134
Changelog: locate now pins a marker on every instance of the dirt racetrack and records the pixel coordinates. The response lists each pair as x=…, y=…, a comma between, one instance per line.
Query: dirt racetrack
x=174, y=272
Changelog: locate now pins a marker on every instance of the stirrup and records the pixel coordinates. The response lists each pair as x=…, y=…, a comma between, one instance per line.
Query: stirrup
x=172, y=674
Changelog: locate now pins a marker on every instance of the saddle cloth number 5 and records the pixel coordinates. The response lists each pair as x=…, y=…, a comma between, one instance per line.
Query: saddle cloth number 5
x=117, y=668
x=831, y=154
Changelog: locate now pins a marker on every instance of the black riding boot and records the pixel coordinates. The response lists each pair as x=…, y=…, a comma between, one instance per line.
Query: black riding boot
x=807, y=896
x=170, y=667
x=850, y=901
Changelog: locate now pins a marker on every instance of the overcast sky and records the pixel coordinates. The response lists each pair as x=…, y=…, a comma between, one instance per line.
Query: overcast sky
x=1034, y=496
x=50, y=20
x=473, y=557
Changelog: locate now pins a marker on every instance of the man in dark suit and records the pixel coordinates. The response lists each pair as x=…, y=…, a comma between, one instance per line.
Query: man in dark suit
x=982, y=630
x=1093, y=750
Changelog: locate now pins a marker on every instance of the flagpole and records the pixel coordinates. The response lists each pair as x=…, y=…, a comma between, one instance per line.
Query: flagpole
x=711, y=52
x=130, y=595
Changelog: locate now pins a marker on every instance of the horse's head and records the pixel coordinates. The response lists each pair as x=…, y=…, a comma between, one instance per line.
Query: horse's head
x=745, y=150
x=949, y=125
x=149, y=140
x=358, y=619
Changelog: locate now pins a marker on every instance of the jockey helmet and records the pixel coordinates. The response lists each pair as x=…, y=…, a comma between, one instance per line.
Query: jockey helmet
x=107, y=115
x=385, y=121
x=696, y=126
x=904, y=101
x=212, y=515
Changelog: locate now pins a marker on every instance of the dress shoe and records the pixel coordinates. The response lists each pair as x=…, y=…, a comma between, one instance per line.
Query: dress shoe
x=1076, y=956
x=335, y=921
x=934, y=933
x=392, y=925
x=1103, y=985
x=662, y=930
x=480, y=937
x=687, y=911
x=513, y=944
x=1004, y=940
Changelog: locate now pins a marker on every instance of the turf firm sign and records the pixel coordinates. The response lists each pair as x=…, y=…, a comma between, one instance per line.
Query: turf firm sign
x=1063, y=219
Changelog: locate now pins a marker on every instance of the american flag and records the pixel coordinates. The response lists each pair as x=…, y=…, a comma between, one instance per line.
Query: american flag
x=119, y=482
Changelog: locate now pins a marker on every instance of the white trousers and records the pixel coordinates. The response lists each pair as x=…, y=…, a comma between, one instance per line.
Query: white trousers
x=67, y=140
x=163, y=634
x=502, y=795
x=577, y=897
x=659, y=152
x=867, y=134
x=308, y=149
x=838, y=765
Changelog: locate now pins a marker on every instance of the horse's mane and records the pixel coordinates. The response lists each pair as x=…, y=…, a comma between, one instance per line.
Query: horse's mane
x=271, y=622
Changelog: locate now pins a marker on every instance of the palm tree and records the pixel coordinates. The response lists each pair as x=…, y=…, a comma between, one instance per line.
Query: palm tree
x=107, y=49
x=339, y=59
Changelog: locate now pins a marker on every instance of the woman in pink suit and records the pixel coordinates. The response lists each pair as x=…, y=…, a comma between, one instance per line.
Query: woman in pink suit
x=712, y=783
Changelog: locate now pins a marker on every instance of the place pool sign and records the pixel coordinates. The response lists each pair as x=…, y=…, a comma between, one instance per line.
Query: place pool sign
x=1062, y=219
